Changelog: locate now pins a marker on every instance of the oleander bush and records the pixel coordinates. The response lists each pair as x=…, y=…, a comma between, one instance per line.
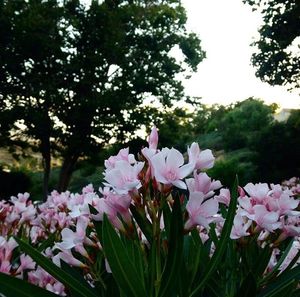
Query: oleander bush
x=159, y=226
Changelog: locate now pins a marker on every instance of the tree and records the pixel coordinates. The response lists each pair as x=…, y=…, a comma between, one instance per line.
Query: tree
x=277, y=58
x=77, y=76
x=30, y=55
x=175, y=128
x=244, y=122
x=278, y=153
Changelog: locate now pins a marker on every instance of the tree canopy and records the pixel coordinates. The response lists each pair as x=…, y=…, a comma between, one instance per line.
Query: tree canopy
x=74, y=77
x=277, y=56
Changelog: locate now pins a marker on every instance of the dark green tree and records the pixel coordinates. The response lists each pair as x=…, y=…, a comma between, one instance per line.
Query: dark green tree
x=277, y=55
x=175, y=129
x=278, y=150
x=31, y=66
x=241, y=126
x=77, y=76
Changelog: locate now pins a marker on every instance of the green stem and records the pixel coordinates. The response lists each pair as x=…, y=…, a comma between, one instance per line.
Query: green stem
x=158, y=266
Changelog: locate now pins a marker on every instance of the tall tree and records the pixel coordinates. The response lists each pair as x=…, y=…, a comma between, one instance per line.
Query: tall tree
x=77, y=76
x=31, y=58
x=277, y=55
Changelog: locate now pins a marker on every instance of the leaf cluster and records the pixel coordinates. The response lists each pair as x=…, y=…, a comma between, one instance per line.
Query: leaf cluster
x=277, y=50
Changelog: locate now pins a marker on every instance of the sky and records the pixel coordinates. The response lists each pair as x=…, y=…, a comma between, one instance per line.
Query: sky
x=226, y=29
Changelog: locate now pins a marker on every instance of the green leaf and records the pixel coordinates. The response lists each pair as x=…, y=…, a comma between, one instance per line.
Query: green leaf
x=97, y=224
x=174, y=259
x=123, y=269
x=221, y=247
x=46, y=243
x=13, y=287
x=167, y=218
x=143, y=223
x=293, y=262
x=276, y=267
x=196, y=248
x=135, y=253
x=248, y=287
x=68, y=280
x=284, y=280
x=76, y=274
x=262, y=261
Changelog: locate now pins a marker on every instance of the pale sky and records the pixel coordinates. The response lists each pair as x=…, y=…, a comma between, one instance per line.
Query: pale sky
x=226, y=29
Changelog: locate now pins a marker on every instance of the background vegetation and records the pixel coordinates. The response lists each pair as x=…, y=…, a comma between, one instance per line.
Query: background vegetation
x=74, y=79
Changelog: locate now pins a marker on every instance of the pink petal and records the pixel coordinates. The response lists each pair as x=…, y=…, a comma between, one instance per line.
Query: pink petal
x=185, y=170
x=179, y=184
x=174, y=159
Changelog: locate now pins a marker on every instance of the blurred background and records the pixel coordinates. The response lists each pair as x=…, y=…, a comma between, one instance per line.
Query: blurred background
x=81, y=79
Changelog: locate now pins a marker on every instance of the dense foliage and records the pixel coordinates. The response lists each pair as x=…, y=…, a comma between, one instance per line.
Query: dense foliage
x=277, y=50
x=74, y=77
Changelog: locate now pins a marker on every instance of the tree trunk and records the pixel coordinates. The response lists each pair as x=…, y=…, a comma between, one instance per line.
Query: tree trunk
x=46, y=154
x=66, y=172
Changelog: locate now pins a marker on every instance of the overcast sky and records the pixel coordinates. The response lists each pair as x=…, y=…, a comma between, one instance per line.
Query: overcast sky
x=226, y=29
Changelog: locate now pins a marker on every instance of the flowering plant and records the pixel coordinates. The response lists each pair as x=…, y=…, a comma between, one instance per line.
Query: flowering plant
x=160, y=226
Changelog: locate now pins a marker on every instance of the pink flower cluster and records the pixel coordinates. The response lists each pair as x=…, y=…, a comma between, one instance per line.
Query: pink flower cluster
x=265, y=210
x=261, y=209
x=292, y=184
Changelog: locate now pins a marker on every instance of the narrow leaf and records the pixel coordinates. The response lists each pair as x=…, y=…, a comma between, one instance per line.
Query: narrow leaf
x=46, y=243
x=275, y=270
x=143, y=223
x=248, y=287
x=221, y=247
x=124, y=271
x=13, y=287
x=58, y=273
x=285, y=279
x=174, y=258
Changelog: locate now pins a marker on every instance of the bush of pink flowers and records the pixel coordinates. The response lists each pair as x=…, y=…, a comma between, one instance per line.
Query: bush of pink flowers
x=159, y=226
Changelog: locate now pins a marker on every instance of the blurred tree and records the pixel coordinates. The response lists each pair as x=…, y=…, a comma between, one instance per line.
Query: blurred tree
x=278, y=57
x=75, y=77
x=208, y=118
x=278, y=150
x=175, y=128
x=241, y=126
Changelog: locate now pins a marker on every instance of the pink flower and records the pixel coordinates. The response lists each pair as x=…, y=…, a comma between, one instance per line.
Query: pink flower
x=28, y=214
x=201, y=159
x=200, y=213
x=284, y=204
x=57, y=288
x=103, y=207
x=148, y=154
x=25, y=263
x=291, y=255
x=67, y=256
x=153, y=139
x=124, y=177
x=265, y=219
x=123, y=155
x=72, y=239
x=258, y=192
x=88, y=189
x=290, y=227
x=169, y=169
x=202, y=183
x=5, y=266
x=240, y=226
x=224, y=197
x=121, y=205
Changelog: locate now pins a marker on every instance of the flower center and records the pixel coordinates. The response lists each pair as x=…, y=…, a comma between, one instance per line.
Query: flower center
x=171, y=175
